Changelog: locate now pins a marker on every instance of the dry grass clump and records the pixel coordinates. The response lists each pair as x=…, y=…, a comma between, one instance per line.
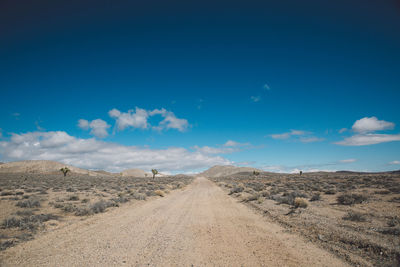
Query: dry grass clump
x=32, y=222
x=355, y=217
x=315, y=197
x=236, y=189
x=300, y=202
x=159, y=193
x=351, y=198
x=30, y=203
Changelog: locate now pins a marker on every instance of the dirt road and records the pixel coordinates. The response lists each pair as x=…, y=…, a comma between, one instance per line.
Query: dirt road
x=199, y=226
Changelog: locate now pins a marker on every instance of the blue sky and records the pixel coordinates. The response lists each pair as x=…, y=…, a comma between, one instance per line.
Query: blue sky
x=285, y=82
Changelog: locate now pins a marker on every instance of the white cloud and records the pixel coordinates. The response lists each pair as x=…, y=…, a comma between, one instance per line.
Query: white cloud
x=280, y=136
x=133, y=118
x=235, y=144
x=311, y=139
x=138, y=118
x=98, y=127
x=395, y=162
x=255, y=98
x=303, y=136
x=365, y=135
x=94, y=154
x=288, y=134
x=368, y=139
x=227, y=148
x=83, y=124
x=266, y=87
x=347, y=160
x=308, y=167
x=215, y=150
x=371, y=124
x=342, y=130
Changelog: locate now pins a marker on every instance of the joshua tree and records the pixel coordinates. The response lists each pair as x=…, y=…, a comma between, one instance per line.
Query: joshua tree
x=256, y=173
x=154, y=171
x=65, y=170
x=301, y=172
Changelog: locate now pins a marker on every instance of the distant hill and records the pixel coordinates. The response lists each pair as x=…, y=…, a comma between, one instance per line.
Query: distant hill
x=226, y=170
x=41, y=167
x=135, y=173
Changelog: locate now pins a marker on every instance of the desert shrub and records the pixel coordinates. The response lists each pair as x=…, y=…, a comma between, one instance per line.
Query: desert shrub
x=29, y=203
x=121, y=199
x=265, y=194
x=252, y=197
x=150, y=193
x=85, y=200
x=390, y=231
x=355, y=217
x=7, y=193
x=393, y=221
x=315, y=197
x=350, y=199
x=139, y=196
x=68, y=208
x=395, y=199
x=6, y=244
x=330, y=191
x=29, y=222
x=83, y=211
x=395, y=189
x=11, y=222
x=73, y=198
x=19, y=193
x=256, y=186
x=236, y=189
x=100, y=206
x=159, y=193
x=24, y=213
x=284, y=200
x=300, y=202
x=383, y=192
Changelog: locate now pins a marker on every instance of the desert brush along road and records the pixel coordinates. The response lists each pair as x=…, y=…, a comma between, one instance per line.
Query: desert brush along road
x=198, y=226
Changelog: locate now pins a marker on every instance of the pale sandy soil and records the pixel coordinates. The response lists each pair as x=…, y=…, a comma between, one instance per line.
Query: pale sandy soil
x=198, y=226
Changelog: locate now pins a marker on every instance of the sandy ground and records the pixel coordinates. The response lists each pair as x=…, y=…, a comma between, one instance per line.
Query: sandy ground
x=198, y=226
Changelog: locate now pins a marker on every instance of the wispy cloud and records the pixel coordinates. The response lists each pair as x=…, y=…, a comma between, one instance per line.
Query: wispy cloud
x=16, y=115
x=255, y=98
x=394, y=162
x=287, y=135
x=311, y=139
x=328, y=166
x=266, y=87
x=302, y=136
x=227, y=148
x=368, y=139
x=347, y=160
